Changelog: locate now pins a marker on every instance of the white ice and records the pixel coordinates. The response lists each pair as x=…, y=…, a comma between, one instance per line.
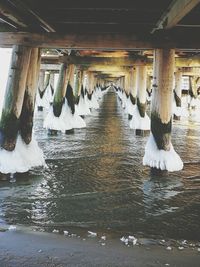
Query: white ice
x=138, y=122
x=66, y=120
x=160, y=159
x=46, y=99
x=176, y=110
x=93, y=103
x=83, y=106
x=130, y=107
x=22, y=158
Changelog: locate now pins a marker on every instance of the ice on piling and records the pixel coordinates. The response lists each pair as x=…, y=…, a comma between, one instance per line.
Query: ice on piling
x=138, y=122
x=22, y=158
x=66, y=120
x=161, y=159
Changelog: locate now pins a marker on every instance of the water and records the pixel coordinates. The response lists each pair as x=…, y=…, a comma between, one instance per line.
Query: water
x=95, y=181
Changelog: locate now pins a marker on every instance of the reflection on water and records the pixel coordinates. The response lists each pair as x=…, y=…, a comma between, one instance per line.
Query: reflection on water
x=95, y=181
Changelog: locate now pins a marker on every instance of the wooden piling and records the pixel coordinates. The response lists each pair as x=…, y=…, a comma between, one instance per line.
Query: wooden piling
x=14, y=95
x=161, y=109
x=26, y=117
x=61, y=89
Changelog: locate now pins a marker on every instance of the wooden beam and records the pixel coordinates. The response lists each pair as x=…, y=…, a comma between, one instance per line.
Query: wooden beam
x=176, y=11
x=54, y=67
x=105, y=61
x=96, y=41
x=104, y=41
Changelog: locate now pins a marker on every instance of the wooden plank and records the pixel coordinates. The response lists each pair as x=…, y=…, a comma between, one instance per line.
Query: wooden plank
x=176, y=11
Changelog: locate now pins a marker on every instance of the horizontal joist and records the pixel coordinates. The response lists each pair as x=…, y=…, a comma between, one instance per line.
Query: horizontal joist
x=106, y=41
x=75, y=41
x=105, y=62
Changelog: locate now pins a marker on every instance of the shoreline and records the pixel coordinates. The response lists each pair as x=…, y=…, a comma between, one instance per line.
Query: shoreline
x=40, y=249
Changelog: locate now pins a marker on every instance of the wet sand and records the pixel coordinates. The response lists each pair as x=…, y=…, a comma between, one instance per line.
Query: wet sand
x=35, y=249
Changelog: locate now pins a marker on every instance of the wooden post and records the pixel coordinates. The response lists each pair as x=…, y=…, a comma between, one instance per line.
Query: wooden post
x=177, y=94
x=41, y=87
x=46, y=80
x=141, y=78
x=161, y=109
x=90, y=83
x=61, y=89
x=26, y=118
x=127, y=83
x=78, y=81
x=14, y=95
x=140, y=121
x=149, y=89
x=69, y=92
x=192, y=92
x=51, y=82
x=159, y=152
x=133, y=89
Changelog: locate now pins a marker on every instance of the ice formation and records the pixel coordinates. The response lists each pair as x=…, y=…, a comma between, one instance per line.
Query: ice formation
x=83, y=106
x=66, y=120
x=138, y=122
x=176, y=110
x=46, y=99
x=160, y=159
x=22, y=158
x=129, y=107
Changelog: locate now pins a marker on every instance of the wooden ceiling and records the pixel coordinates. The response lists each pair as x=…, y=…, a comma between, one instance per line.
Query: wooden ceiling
x=99, y=28
x=143, y=18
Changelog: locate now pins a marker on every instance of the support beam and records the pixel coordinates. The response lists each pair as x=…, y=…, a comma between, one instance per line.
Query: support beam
x=159, y=152
x=15, y=89
x=26, y=118
x=177, y=95
x=176, y=11
x=19, y=150
x=61, y=89
x=121, y=62
x=140, y=121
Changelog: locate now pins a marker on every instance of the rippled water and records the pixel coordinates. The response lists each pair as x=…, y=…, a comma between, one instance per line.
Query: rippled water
x=95, y=181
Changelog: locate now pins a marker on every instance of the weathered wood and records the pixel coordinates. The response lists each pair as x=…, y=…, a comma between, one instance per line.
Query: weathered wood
x=133, y=89
x=61, y=89
x=176, y=11
x=141, y=83
x=46, y=79
x=177, y=90
x=78, y=83
x=104, y=61
x=26, y=117
x=14, y=95
x=101, y=41
x=76, y=41
x=41, y=87
x=161, y=108
x=193, y=87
